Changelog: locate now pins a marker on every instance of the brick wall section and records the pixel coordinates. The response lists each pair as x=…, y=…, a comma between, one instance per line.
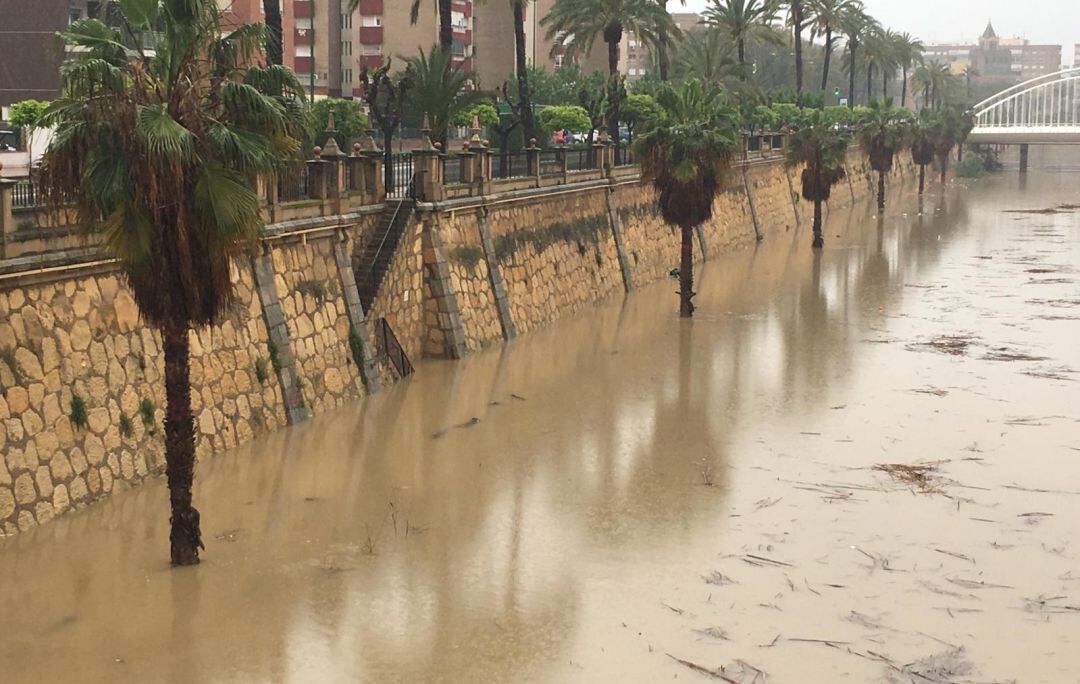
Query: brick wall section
x=401, y=296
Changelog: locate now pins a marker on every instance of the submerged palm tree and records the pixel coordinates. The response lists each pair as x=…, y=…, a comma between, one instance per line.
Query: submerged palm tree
x=157, y=154
x=686, y=156
x=743, y=21
x=883, y=133
x=821, y=146
x=924, y=133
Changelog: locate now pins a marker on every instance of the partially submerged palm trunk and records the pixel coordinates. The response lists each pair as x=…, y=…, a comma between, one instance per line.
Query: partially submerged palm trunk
x=819, y=239
x=185, y=537
x=881, y=191
x=686, y=272
x=922, y=178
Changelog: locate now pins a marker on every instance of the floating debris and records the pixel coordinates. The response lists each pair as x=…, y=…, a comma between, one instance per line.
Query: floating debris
x=953, y=345
x=920, y=476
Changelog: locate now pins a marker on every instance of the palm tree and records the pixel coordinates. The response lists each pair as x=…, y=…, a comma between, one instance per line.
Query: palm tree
x=157, y=154
x=953, y=128
x=924, y=133
x=706, y=54
x=583, y=21
x=521, y=65
x=855, y=24
x=686, y=156
x=822, y=147
x=908, y=51
x=970, y=72
x=742, y=21
x=827, y=18
x=883, y=133
x=439, y=90
x=888, y=59
x=799, y=16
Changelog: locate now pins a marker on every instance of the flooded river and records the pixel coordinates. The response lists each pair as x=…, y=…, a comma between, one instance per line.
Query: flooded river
x=859, y=466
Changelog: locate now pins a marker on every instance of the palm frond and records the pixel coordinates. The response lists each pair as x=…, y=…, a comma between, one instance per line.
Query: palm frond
x=165, y=138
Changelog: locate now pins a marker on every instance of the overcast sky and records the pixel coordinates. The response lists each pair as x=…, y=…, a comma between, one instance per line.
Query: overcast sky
x=945, y=21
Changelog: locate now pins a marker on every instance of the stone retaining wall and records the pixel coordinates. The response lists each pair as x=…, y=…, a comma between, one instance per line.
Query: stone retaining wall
x=81, y=389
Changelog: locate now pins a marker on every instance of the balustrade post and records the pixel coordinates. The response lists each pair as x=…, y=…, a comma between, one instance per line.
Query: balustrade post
x=7, y=223
x=468, y=165
x=317, y=176
x=356, y=170
x=426, y=167
x=563, y=165
x=532, y=157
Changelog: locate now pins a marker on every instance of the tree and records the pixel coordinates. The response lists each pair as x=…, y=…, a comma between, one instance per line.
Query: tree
x=385, y=96
x=583, y=21
x=272, y=18
x=819, y=145
x=743, y=21
x=593, y=98
x=954, y=125
x=827, y=17
x=970, y=72
x=706, y=54
x=350, y=122
x=883, y=133
x=157, y=154
x=908, y=51
x=565, y=118
x=27, y=115
x=686, y=155
x=521, y=70
x=439, y=90
x=555, y=88
x=854, y=23
x=924, y=133
x=798, y=17
x=638, y=110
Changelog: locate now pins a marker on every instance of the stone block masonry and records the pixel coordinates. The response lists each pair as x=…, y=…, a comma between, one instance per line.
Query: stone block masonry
x=81, y=391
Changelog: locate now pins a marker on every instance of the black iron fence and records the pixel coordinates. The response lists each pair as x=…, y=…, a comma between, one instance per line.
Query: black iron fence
x=509, y=164
x=401, y=166
x=387, y=344
x=451, y=164
x=293, y=183
x=550, y=163
x=579, y=158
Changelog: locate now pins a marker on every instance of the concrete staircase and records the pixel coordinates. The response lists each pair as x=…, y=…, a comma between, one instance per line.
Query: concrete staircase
x=373, y=261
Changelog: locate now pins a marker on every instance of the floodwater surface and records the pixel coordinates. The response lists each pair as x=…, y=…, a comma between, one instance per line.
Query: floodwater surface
x=861, y=465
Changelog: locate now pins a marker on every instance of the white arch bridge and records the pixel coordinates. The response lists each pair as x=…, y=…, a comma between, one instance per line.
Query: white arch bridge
x=1041, y=111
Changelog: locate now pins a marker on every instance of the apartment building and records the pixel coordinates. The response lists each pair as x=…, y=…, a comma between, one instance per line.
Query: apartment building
x=996, y=59
x=29, y=66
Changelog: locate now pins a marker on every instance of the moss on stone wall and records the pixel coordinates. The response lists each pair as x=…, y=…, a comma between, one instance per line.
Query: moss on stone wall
x=587, y=230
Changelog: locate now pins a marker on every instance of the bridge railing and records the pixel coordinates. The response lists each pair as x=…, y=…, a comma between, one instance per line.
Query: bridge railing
x=1048, y=101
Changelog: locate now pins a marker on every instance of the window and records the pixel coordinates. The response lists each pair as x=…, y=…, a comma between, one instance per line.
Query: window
x=303, y=50
x=457, y=49
x=458, y=20
x=346, y=48
x=346, y=21
x=302, y=22
x=370, y=49
x=346, y=75
x=371, y=20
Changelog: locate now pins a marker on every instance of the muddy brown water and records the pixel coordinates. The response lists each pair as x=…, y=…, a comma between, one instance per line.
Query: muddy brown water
x=623, y=496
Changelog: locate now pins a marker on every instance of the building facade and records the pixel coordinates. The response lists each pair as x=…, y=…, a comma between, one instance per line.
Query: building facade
x=998, y=60
x=29, y=66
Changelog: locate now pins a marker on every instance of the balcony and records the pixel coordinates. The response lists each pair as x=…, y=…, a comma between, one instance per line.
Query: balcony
x=302, y=9
x=302, y=66
x=371, y=35
x=371, y=6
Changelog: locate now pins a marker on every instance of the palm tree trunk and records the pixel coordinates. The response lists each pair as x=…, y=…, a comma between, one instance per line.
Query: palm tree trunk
x=853, y=46
x=881, y=191
x=926, y=96
x=388, y=160
x=944, y=166
x=446, y=28
x=819, y=240
x=869, y=82
x=184, y=536
x=922, y=178
x=686, y=273
x=828, y=58
x=796, y=20
x=613, y=117
x=903, y=92
x=272, y=12
x=333, y=40
x=663, y=59
x=885, y=84
x=524, y=95
x=740, y=46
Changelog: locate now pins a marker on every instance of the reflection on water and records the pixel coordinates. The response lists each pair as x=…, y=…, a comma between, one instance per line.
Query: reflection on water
x=545, y=511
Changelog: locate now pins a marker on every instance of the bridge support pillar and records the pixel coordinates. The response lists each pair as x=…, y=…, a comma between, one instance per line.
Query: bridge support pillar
x=1023, y=158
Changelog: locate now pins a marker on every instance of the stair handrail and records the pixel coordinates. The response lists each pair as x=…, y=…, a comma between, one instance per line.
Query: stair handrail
x=389, y=227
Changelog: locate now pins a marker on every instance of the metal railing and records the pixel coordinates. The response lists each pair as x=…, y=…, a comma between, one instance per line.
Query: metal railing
x=389, y=346
x=25, y=194
x=293, y=184
x=579, y=158
x=509, y=164
x=451, y=168
x=550, y=163
x=401, y=165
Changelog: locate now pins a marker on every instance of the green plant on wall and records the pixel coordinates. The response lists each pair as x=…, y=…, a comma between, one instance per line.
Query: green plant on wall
x=585, y=230
x=147, y=411
x=467, y=255
x=272, y=350
x=260, y=370
x=356, y=346
x=7, y=355
x=127, y=426
x=78, y=413
x=316, y=289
